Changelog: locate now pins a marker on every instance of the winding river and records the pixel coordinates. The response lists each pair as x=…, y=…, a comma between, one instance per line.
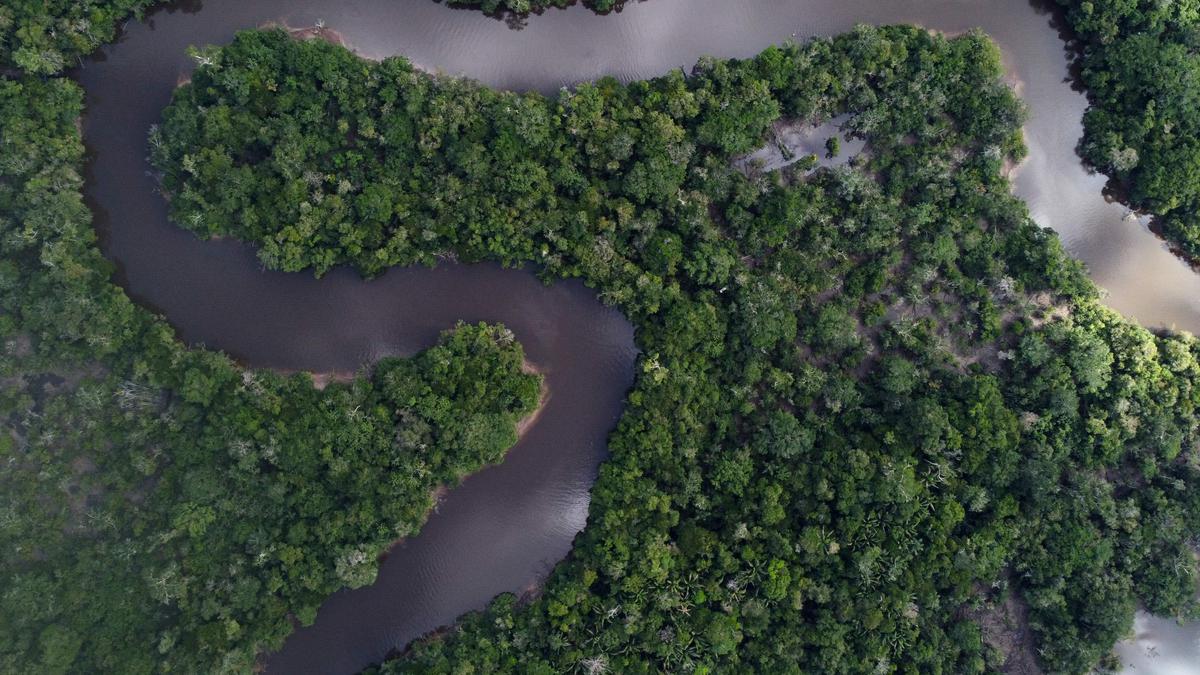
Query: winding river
x=506, y=526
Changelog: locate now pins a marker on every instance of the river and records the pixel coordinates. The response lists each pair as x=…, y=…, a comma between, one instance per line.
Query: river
x=505, y=526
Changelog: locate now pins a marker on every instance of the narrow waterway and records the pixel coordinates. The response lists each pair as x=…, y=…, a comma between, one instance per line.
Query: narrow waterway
x=507, y=525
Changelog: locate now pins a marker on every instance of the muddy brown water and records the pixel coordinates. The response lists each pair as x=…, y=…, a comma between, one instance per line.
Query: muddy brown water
x=507, y=525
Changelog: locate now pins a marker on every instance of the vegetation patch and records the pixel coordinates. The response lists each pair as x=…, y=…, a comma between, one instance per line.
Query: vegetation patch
x=520, y=8
x=46, y=36
x=1140, y=64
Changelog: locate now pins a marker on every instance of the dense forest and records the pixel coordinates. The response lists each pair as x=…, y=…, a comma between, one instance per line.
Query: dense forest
x=881, y=421
x=46, y=36
x=163, y=509
x=1140, y=64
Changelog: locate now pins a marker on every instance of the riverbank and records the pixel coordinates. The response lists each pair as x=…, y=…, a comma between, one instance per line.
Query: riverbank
x=527, y=422
x=322, y=380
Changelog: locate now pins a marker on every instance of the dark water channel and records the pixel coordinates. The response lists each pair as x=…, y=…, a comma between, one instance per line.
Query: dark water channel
x=508, y=524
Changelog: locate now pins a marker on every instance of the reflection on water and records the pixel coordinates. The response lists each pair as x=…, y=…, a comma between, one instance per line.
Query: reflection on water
x=481, y=542
x=1161, y=647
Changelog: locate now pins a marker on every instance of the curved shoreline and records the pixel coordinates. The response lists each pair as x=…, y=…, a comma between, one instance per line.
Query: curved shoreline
x=526, y=423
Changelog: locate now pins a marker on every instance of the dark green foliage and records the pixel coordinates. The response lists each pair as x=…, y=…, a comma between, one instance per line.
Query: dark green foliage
x=871, y=399
x=46, y=36
x=162, y=509
x=1142, y=71
x=832, y=147
x=523, y=7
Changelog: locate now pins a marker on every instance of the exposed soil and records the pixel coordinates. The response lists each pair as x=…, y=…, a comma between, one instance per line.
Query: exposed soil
x=1005, y=627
